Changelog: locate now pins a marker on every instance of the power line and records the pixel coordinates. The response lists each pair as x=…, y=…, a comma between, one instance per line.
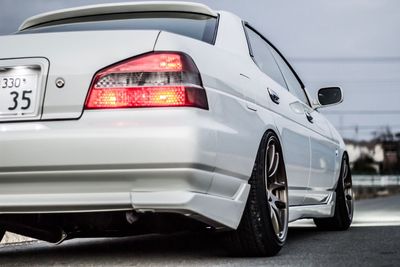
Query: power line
x=394, y=59
x=362, y=112
x=361, y=130
x=368, y=127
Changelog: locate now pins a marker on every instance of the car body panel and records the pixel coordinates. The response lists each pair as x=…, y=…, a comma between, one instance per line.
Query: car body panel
x=295, y=142
x=228, y=105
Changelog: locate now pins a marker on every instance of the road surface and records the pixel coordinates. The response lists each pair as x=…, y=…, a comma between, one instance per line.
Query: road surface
x=373, y=240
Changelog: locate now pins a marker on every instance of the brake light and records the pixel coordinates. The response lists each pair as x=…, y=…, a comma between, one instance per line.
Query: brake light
x=161, y=79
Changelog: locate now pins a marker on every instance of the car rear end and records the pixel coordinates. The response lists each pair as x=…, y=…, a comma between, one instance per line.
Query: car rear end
x=93, y=119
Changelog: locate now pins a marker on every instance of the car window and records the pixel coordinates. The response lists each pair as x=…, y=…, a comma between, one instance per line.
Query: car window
x=292, y=82
x=198, y=26
x=262, y=56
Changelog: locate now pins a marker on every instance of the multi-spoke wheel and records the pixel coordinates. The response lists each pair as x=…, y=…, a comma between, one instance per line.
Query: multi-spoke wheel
x=348, y=189
x=276, y=188
x=344, y=206
x=264, y=225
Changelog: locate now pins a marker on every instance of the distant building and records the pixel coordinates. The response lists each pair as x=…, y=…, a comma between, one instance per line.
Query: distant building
x=365, y=155
x=391, y=162
x=375, y=156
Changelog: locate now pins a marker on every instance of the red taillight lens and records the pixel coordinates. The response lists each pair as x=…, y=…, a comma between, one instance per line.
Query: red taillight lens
x=137, y=97
x=154, y=80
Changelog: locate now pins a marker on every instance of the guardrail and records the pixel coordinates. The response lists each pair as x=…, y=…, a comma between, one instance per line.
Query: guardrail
x=369, y=186
x=376, y=180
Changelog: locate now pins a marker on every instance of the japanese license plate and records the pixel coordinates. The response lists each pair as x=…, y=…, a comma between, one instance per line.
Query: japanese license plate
x=19, y=91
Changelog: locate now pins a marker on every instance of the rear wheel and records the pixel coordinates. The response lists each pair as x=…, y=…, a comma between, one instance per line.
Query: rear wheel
x=344, y=206
x=264, y=225
x=2, y=233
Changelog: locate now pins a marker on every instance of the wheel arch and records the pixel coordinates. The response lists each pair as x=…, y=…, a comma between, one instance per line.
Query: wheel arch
x=339, y=171
x=274, y=131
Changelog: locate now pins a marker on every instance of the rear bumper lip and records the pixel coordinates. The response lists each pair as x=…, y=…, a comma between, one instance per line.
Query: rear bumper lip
x=186, y=191
x=213, y=210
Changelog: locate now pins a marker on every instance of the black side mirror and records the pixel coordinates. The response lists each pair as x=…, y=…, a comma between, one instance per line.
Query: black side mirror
x=330, y=96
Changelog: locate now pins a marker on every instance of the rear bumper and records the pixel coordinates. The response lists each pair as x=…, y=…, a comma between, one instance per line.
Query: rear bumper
x=158, y=160
x=187, y=191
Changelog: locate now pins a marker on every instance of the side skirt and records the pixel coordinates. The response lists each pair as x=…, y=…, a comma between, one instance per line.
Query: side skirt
x=313, y=211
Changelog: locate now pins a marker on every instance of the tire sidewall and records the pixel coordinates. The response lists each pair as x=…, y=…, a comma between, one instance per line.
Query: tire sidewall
x=261, y=193
x=341, y=208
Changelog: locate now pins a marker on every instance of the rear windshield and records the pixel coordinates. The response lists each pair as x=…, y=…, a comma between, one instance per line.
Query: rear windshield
x=198, y=26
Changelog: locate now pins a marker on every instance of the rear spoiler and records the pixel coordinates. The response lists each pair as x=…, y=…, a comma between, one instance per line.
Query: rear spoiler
x=104, y=9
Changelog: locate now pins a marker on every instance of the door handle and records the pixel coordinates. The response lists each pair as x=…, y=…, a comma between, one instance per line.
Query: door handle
x=309, y=117
x=273, y=95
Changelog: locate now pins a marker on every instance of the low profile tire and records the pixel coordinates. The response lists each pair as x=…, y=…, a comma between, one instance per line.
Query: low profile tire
x=264, y=225
x=344, y=206
x=2, y=233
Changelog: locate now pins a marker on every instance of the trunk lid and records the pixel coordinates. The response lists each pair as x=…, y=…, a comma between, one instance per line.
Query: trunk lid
x=72, y=57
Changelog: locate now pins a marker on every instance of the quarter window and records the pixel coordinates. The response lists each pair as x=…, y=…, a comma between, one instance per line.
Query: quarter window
x=292, y=82
x=262, y=56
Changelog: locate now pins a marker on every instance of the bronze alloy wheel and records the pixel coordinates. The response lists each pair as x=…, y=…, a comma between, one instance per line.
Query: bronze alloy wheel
x=276, y=188
x=347, y=188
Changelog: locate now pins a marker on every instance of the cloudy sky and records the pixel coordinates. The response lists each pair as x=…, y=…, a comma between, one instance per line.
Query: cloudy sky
x=351, y=43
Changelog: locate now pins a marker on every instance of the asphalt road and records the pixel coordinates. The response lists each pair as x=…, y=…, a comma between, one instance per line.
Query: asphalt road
x=373, y=240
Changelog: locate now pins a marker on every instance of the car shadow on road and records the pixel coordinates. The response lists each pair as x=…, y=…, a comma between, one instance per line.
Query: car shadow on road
x=194, y=244
x=306, y=245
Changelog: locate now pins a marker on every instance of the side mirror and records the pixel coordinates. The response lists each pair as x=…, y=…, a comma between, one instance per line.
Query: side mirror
x=329, y=96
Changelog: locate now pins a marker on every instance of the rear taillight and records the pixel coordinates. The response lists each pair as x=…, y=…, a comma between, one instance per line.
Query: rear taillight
x=160, y=79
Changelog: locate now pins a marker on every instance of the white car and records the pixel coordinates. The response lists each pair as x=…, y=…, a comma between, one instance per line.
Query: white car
x=122, y=119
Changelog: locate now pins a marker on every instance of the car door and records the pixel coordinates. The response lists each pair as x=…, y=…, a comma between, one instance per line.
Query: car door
x=323, y=149
x=290, y=120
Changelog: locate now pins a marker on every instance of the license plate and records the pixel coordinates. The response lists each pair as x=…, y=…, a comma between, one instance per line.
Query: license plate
x=19, y=90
